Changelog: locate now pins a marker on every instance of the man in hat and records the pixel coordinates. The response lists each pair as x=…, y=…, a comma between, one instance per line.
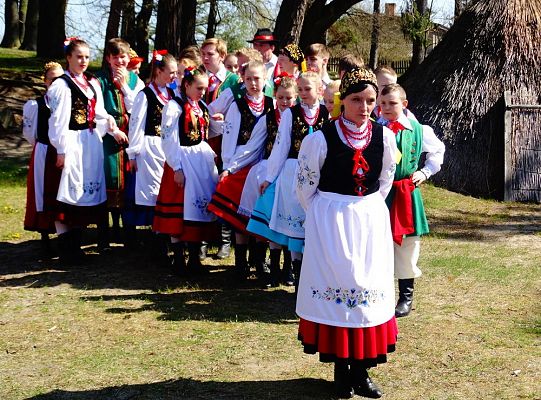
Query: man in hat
x=265, y=43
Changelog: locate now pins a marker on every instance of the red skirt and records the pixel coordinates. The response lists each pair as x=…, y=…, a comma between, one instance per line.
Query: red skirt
x=42, y=221
x=169, y=214
x=225, y=201
x=366, y=345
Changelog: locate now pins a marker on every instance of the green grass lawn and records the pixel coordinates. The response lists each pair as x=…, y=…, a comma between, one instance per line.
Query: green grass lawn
x=20, y=61
x=119, y=327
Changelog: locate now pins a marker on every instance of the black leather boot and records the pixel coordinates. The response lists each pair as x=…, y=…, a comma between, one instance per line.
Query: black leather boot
x=261, y=269
x=78, y=254
x=342, y=381
x=288, y=278
x=65, y=253
x=46, y=250
x=194, y=263
x=405, y=298
x=362, y=384
x=241, y=264
x=130, y=237
x=275, y=267
x=225, y=243
x=103, y=237
x=296, y=272
x=159, y=251
x=179, y=262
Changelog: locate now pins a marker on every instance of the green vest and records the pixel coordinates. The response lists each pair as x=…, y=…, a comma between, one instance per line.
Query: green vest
x=113, y=157
x=410, y=143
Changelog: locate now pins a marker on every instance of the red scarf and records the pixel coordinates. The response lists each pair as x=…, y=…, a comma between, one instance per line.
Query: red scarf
x=401, y=212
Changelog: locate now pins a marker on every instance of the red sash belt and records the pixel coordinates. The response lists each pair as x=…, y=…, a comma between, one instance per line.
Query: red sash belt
x=401, y=212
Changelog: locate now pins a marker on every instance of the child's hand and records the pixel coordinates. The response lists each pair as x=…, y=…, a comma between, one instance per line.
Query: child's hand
x=120, y=137
x=179, y=178
x=133, y=165
x=60, y=160
x=418, y=177
x=223, y=175
x=218, y=117
x=264, y=187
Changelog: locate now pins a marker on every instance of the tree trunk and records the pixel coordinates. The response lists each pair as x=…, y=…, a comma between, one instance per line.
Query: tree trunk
x=418, y=53
x=211, y=22
x=23, y=8
x=374, y=42
x=31, y=26
x=127, y=30
x=168, y=25
x=51, y=28
x=320, y=17
x=113, y=22
x=142, y=31
x=11, y=25
x=187, y=28
x=289, y=21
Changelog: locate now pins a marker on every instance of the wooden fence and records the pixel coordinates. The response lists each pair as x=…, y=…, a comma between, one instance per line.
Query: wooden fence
x=522, y=148
x=400, y=66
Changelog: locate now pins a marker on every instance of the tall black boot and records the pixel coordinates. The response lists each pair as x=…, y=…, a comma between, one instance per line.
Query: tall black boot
x=241, y=264
x=65, y=252
x=225, y=242
x=179, y=262
x=405, y=298
x=46, y=250
x=103, y=236
x=297, y=272
x=288, y=277
x=275, y=267
x=342, y=381
x=78, y=254
x=115, y=216
x=362, y=384
x=261, y=268
x=130, y=237
x=194, y=263
x=159, y=250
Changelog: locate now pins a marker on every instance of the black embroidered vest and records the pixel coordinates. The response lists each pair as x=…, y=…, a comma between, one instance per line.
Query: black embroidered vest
x=300, y=128
x=43, y=121
x=153, y=123
x=193, y=136
x=272, y=131
x=248, y=120
x=79, y=104
x=336, y=173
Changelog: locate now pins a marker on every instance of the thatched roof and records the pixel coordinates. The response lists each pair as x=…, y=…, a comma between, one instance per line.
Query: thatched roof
x=495, y=45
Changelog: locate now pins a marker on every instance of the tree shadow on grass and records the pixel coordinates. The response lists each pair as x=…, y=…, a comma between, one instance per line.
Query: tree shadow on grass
x=276, y=306
x=188, y=389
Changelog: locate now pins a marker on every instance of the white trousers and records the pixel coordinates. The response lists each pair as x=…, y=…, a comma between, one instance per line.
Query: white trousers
x=406, y=257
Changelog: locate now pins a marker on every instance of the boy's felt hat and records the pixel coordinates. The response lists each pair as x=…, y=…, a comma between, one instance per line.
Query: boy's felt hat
x=263, y=35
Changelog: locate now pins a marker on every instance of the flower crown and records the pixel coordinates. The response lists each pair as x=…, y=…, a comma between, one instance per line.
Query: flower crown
x=191, y=71
x=278, y=79
x=68, y=40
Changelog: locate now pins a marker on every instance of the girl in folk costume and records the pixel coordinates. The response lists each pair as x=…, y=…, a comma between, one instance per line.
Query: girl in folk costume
x=239, y=153
x=291, y=59
x=119, y=87
x=345, y=299
x=76, y=127
x=265, y=132
x=145, y=151
x=286, y=223
x=190, y=173
x=43, y=175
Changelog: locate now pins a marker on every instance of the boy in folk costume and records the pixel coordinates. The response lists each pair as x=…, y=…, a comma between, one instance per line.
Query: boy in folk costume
x=76, y=127
x=43, y=175
x=286, y=224
x=146, y=154
x=408, y=219
x=213, y=53
x=190, y=173
x=119, y=87
x=239, y=153
x=317, y=57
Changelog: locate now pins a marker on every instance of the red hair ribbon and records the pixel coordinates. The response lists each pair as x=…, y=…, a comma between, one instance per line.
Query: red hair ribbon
x=70, y=39
x=157, y=55
x=278, y=79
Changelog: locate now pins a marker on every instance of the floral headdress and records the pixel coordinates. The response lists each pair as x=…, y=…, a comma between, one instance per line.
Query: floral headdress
x=191, y=72
x=355, y=79
x=294, y=53
x=278, y=79
x=68, y=40
x=157, y=56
